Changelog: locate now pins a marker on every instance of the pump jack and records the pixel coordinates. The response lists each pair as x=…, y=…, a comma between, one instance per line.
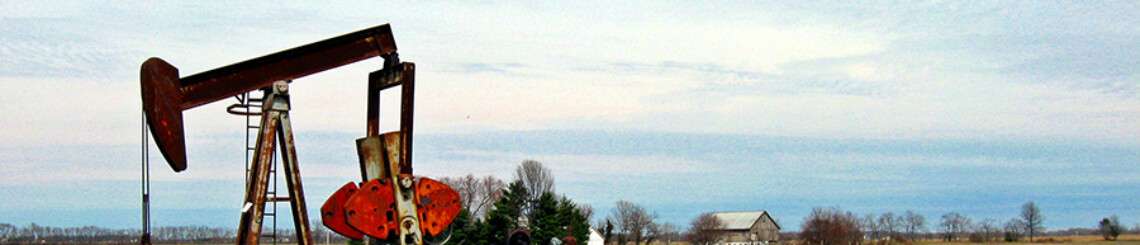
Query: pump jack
x=391, y=204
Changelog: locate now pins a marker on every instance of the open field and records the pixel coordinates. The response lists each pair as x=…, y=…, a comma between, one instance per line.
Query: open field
x=1089, y=239
x=1130, y=239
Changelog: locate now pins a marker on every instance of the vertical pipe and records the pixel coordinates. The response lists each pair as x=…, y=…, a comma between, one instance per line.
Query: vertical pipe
x=145, y=185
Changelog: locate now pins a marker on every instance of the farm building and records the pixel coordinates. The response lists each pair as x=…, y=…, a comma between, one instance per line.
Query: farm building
x=595, y=238
x=747, y=227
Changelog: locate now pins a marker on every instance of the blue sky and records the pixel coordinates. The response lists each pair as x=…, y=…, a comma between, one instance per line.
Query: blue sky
x=974, y=107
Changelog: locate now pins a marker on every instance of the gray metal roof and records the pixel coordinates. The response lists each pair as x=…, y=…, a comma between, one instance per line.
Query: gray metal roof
x=740, y=220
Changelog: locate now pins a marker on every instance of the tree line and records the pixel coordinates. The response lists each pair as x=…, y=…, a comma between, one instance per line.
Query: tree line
x=835, y=226
x=35, y=233
x=493, y=211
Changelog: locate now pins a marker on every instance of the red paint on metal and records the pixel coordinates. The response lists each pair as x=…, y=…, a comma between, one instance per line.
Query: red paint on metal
x=372, y=210
x=333, y=214
x=436, y=204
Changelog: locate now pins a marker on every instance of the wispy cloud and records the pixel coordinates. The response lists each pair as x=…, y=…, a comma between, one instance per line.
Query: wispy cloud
x=486, y=67
x=48, y=48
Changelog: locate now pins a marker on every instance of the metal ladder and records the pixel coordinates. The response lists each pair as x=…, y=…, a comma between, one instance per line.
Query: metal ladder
x=252, y=128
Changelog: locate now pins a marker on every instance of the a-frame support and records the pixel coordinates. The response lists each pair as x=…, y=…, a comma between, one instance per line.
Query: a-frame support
x=274, y=125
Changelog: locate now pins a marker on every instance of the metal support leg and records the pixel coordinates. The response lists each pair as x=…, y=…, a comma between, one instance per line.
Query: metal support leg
x=253, y=210
x=274, y=123
x=293, y=181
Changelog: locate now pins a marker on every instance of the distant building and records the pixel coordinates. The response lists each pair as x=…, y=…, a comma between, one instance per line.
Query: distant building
x=595, y=238
x=748, y=227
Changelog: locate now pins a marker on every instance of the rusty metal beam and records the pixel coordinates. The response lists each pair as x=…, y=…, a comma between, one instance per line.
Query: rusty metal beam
x=402, y=74
x=165, y=95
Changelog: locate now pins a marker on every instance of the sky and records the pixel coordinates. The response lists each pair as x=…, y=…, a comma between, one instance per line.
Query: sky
x=973, y=107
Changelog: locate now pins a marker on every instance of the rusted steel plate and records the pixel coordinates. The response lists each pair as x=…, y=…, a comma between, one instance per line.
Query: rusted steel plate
x=372, y=209
x=436, y=204
x=333, y=212
x=161, y=98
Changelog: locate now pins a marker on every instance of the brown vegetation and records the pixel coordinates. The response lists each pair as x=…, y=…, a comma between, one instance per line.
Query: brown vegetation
x=831, y=226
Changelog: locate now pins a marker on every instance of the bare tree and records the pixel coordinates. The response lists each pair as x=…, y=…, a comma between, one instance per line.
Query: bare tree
x=586, y=210
x=870, y=226
x=652, y=232
x=536, y=179
x=477, y=195
x=490, y=191
x=608, y=230
x=1013, y=229
x=831, y=226
x=889, y=224
x=954, y=225
x=986, y=231
x=633, y=221
x=1032, y=218
x=668, y=233
x=1110, y=228
x=913, y=224
x=705, y=229
x=7, y=231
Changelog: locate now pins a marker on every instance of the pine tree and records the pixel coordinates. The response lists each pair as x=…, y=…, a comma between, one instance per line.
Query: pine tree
x=503, y=218
x=573, y=218
x=462, y=229
x=547, y=222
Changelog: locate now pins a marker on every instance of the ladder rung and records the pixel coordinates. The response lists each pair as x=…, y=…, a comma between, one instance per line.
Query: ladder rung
x=269, y=214
x=280, y=199
x=252, y=126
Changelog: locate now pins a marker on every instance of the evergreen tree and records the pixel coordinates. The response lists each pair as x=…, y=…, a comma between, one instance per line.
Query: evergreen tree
x=503, y=218
x=573, y=218
x=463, y=231
x=547, y=222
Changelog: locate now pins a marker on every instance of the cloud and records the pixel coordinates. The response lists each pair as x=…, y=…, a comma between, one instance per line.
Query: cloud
x=486, y=67
x=49, y=48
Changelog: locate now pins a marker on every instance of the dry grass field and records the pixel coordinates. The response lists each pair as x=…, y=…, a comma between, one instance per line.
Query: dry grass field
x=1129, y=239
x=1076, y=240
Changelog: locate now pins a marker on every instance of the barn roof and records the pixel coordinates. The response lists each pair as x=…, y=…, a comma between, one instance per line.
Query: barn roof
x=741, y=220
